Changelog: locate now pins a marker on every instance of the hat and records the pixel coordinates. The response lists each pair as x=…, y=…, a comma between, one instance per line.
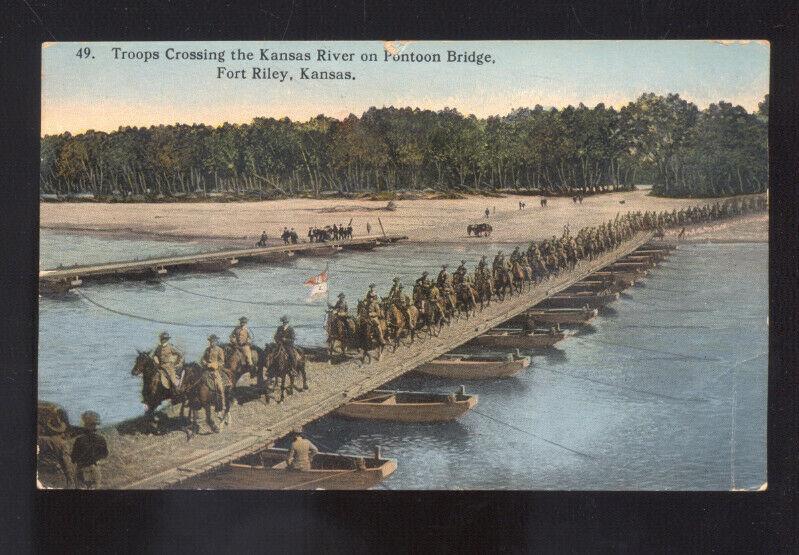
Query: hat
x=90, y=419
x=243, y=320
x=463, y=262
x=341, y=295
x=164, y=335
x=396, y=279
x=213, y=337
x=372, y=285
x=56, y=425
x=444, y=266
x=297, y=431
x=424, y=273
x=284, y=319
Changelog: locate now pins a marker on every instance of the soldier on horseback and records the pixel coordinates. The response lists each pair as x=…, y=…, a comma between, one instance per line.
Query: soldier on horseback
x=340, y=309
x=285, y=337
x=396, y=290
x=460, y=273
x=374, y=316
x=499, y=262
x=168, y=359
x=213, y=361
x=443, y=276
x=371, y=295
x=241, y=338
x=421, y=287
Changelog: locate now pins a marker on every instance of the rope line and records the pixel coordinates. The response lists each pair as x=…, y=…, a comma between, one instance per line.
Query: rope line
x=555, y=443
x=171, y=323
x=259, y=303
x=657, y=351
x=644, y=391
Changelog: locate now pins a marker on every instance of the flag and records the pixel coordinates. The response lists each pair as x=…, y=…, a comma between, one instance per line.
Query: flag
x=318, y=286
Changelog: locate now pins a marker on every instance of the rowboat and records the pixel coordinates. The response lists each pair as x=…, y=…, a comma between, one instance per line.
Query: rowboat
x=466, y=367
x=408, y=406
x=507, y=338
x=52, y=288
x=657, y=254
x=578, y=300
x=635, y=267
x=560, y=316
x=596, y=285
x=620, y=278
x=645, y=259
x=267, y=470
x=367, y=246
x=326, y=250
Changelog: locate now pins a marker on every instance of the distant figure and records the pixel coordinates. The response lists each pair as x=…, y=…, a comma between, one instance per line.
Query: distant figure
x=580, y=199
x=368, y=228
x=262, y=241
x=543, y=203
x=285, y=235
x=681, y=234
x=301, y=453
x=487, y=212
x=88, y=450
x=520, y=205
x=494, y=210
x=622, y=201
x=574, y=200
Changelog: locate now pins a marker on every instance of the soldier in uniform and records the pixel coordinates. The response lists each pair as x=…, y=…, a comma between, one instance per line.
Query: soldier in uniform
x=301, y=452
x=340, y=309
x=371, y=295
x=168, y=359
x=443, y=276
x=242, y=338
x=396, y=290
x=285, y=337
x=460, y=273
x=421, y=287
x=214, y=361
x=374, y=315
x=88, y=450
x=53, y=439
x=499, y=262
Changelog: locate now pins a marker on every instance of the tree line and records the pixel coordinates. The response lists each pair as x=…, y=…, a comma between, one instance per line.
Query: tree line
x=663, y=140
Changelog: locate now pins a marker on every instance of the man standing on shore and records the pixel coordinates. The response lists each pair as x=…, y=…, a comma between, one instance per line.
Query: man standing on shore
x=88, y=450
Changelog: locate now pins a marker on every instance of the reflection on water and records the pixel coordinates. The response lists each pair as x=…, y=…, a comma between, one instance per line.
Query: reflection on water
x=664, y=390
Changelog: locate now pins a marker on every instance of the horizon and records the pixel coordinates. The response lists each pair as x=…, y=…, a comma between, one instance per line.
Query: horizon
x=553, y=74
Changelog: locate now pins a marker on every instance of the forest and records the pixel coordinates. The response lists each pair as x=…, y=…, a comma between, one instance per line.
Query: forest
x=664, y=141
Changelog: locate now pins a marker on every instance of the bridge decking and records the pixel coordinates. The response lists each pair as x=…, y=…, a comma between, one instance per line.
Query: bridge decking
x=139, y=461
x=132, y=266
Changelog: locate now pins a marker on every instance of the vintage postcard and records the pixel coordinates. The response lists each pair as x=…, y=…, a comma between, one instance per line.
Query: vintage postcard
x=524, y=265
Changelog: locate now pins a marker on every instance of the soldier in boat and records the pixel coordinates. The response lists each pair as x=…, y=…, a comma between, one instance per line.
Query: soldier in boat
x=213, y=360
x=301, y=452
x=241, y=338
x=88, y=450
x=168, y=359
x=460, y=273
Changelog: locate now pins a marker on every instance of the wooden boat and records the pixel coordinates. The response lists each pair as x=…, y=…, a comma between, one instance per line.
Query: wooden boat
x=511, y=338
x=662, y=245
x=327, y=250
x=213, y=265
x=561, y=316
x=621, y=279
x=361, y=246
x=580, y=299
x=637, y=267
x=656, y=254
x=267, y=470
x=645, y=259
x=408, y=406
x=466, y=367
x=597, y=285
x=51, y=288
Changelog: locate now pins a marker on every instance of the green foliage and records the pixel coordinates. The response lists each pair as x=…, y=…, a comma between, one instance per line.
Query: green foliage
x=665, y=140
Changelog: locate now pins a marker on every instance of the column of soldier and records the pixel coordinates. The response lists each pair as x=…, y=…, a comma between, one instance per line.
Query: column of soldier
x=541, y=260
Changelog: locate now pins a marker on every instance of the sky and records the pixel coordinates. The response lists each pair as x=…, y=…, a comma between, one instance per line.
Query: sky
x=103, y=92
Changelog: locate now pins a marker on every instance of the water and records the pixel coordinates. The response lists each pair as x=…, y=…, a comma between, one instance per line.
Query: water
x=667, y=389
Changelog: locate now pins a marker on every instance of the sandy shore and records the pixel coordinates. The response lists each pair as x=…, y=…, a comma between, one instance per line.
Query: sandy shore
x=748, y=229
x=438, y=221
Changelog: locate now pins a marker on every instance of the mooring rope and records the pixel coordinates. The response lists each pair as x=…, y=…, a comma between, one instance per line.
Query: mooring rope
x=171, y=323
x=259, y=303
x=527, y=432
x=644, y=391
x=648, y=350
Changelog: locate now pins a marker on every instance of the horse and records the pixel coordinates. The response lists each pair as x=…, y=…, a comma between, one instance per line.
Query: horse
x=154, y=393
x=466, y=298
x=198, y=390
x=236, y=366
x=450, y=305
x=503, y=282
x=431, y=314
x=519, y=276
x=339, y=331
x=401, y=323
x=367, y=340
x=276, y=364
x=484, y=288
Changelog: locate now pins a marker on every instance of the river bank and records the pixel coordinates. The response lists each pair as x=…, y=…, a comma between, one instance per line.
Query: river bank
x=423, y=221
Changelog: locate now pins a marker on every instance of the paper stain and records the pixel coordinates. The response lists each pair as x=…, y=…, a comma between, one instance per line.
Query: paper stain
x=394, y=47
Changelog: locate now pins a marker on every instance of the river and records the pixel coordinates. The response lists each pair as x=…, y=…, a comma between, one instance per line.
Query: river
x=666, y=390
